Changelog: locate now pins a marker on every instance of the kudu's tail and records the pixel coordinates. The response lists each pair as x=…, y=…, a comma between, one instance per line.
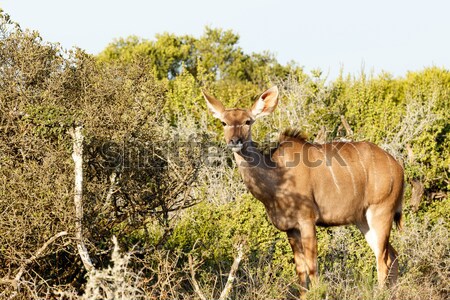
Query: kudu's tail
x=398, y=220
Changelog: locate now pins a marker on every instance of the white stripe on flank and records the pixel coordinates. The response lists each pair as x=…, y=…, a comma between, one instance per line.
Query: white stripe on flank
x=391, y=173
x=329, y=164
x=334, y=179
x=375, y=180
x=360, y=161
x=351, y=175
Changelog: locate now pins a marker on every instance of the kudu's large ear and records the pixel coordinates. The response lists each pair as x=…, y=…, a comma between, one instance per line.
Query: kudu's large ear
x=214, y=105
x=266, y=104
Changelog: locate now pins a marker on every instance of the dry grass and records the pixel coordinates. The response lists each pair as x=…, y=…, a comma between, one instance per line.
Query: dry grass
x=424, y=261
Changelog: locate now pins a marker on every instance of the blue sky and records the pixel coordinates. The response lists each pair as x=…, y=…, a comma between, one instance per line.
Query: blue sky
x=394, y=36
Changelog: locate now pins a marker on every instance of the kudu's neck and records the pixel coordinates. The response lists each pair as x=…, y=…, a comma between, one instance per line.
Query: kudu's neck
x=257, y=171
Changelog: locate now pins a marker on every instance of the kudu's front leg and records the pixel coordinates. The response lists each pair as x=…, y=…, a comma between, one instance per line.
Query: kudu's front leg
x=301, y=268
x=304, y=247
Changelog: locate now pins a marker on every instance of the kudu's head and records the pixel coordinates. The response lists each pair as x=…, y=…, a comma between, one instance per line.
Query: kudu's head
x=237, y=122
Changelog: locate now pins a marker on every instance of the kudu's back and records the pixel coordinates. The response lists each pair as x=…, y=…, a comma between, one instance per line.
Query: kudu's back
x=342, y=179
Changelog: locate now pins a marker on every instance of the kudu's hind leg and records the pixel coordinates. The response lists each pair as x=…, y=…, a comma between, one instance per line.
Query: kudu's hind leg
x=387, y=265
x=376, y=230
x=392, y=262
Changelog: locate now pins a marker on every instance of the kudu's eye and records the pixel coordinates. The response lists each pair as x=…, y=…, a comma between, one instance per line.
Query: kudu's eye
x=224, y=124
x=248, y=122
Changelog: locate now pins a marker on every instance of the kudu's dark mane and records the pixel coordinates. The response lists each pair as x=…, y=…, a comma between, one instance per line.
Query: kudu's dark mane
x=292, y=133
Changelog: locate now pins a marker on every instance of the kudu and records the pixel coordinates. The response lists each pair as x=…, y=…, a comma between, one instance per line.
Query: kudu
x=303, y=184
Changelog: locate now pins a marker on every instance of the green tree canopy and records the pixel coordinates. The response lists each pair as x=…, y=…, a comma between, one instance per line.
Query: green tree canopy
x=216, y=55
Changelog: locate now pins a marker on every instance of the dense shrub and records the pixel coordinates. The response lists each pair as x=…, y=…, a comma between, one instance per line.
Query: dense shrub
x=134, y=170
x=158, y=177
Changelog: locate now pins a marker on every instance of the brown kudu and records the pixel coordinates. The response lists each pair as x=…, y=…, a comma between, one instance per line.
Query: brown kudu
x=303, y=184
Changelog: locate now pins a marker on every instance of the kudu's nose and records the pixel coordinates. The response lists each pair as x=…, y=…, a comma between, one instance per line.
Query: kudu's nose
x=235, y=144
x=235, y=141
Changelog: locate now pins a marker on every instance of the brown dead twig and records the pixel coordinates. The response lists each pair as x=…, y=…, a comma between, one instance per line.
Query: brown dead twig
x=38, y=254
x=231, y=276
x=197, y=289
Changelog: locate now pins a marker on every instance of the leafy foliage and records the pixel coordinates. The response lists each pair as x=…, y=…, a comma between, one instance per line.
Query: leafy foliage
x=158, y=178
x=215, y=56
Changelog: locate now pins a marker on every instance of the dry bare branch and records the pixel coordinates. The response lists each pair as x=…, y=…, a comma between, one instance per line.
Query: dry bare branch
x=348, y=129
x=16, y=281
x=418, y=117
x=77, y=156
x=36, y=255
x=321, y=136
x=197, y=289
x=417, y=192
x=232, y=274
x=112, y=189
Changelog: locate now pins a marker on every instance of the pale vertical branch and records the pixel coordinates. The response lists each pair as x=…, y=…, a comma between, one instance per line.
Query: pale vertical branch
x=321, y=136
x=348, y=129
x=197, y=289
x=77, y=156
x=111, y=190
x=232, y=274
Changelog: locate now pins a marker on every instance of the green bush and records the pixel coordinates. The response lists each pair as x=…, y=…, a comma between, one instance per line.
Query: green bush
x=146, y=179
x=212, y=231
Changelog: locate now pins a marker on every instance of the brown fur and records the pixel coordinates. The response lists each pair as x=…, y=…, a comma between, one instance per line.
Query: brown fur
x=302, y=185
